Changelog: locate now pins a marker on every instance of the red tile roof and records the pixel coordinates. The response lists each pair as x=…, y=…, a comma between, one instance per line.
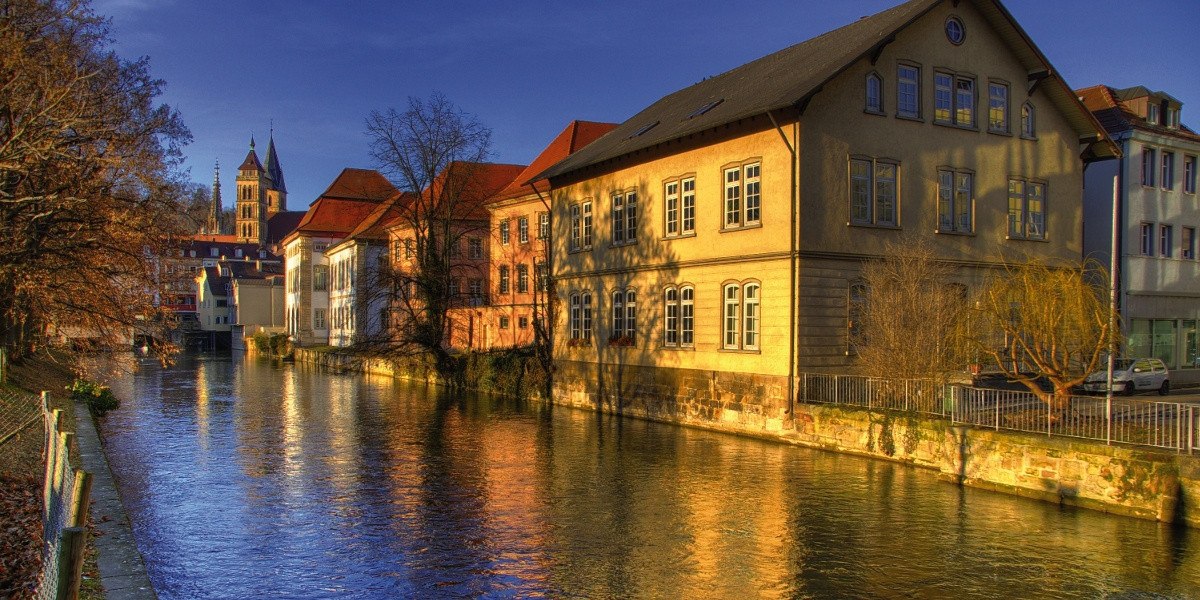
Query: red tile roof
x=1116, y=116
x=359, y=184
x=576, y=135
x=352, y=197
x=374, y=226
x=484, y=182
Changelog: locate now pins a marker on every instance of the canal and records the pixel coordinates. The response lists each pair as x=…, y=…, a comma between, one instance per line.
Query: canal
x=247, y=479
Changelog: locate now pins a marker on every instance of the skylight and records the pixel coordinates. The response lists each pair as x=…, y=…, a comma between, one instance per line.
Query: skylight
x=705, y=108
x=644, y=129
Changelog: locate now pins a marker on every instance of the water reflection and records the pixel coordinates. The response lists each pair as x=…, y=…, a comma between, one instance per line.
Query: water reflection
x=245, y=479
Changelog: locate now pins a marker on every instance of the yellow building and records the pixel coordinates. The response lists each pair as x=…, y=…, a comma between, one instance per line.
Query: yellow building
x=706, y=249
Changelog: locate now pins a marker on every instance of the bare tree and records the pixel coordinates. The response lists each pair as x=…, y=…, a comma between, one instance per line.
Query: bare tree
x=1037, y=321
x=433, y=152
x=89, y=179
x=907, y=315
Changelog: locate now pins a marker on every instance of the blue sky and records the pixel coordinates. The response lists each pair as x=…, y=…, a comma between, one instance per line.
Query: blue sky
x=526, y=69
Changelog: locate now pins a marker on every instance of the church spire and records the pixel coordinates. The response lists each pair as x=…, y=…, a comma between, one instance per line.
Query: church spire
x=214, y=216
x=274, y=169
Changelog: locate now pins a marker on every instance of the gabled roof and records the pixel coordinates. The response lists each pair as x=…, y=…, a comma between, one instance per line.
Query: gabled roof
x=359, y=184
x=1141, y=91
x=348, y=200
x=1109, y=107
x=575, y=136
x=216, y=283
x=373, y=227
x=280, y=224
x=790, y=77
x=482, y=186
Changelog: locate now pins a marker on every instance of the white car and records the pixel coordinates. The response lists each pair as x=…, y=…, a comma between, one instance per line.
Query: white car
x=1132, y=375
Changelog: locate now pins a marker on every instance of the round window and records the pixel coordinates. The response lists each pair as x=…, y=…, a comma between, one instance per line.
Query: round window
x=955, y=31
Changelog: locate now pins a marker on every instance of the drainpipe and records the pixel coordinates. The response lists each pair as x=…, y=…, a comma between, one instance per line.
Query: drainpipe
x=792, y=259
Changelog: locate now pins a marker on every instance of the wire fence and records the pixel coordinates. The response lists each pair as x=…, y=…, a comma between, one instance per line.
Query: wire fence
x=65, y=497
x=1167, y=425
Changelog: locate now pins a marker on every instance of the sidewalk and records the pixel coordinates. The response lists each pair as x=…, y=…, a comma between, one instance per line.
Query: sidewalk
x=122, y=572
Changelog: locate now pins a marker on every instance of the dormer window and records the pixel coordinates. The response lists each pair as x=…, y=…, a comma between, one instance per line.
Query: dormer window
x=213, y=251
x=1152, y=114
x=1173, y=118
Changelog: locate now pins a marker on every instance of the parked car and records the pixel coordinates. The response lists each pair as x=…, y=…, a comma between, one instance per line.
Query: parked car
x=1132, y=375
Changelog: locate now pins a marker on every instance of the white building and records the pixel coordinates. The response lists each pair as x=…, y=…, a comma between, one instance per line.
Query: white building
x=1157, y=221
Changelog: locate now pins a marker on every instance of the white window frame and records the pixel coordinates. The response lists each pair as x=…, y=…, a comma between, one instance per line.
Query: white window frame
x=1033, y=222
x=1167, y=171
x=502, y=283
x=956, y=201
x=872, y=180
x=906, y=87
x=679, y=316
x=1189, y=174
x=741, y=315
x=1149, y=166
x=998, y=107
x=959, y=112
x=742, y=195
x=1166, y=235
x=504, y=233
x=523, y=230
x=1187, y=244
x=1147, y=238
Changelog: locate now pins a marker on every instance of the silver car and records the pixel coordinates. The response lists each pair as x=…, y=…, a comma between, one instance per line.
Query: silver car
x=1132, y=375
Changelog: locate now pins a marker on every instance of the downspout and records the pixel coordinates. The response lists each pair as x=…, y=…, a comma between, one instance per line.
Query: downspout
x=792, y=259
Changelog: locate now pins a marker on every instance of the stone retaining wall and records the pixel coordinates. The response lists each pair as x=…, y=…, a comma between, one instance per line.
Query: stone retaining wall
x=1137, y=482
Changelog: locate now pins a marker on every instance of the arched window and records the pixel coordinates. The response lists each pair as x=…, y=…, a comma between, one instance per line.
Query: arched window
x=732, y=315
x=1028, y=120
x=576, y=316
x=742, y=315
x=671, y=317
x=687, y=311
x=874, y=94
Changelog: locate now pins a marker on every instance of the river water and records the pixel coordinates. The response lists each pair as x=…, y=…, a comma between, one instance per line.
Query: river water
x=247, y=479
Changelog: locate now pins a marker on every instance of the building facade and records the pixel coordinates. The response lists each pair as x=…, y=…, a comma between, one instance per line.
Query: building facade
x=261, y=193
x=721, y=231
x=1157, y=220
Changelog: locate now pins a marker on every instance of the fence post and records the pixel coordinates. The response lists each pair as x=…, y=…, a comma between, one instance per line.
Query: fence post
x=836, y=395
x=1179, y=427
x=52, y=458
x=997, y=397
x=81, y=498
x=70, y=563
x=1191, y=428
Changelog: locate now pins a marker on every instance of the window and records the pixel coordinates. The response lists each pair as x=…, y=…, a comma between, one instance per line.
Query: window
x=503, y=322
x=953, y=99
x=237, y=252
x=318, y=318
x=741, y=316
x=1189, y=174
x=523, y=322
x=476, y=288
x=679, y=198
x=679, y=310
x=523, y=230
x=743, y=196
x=522, y=279
x=1173, y=118
x=955, y=202
x=908, y=91
x=1148, y=164
x=474, y=248
x=408, y=248
x=624, y=318
x=320, y=247
x=1152, y=114
x=214, y=251
x=1168, y=170
x=504, y=231
x=581, y=226
x=624, y=218
x=874, y=90
x=1026, y=210
x=456, y=249
x=1147, y=230
x=581, y=317
x=541, y=276
x=873, y=198
x=543, y=226
x=997, y=107
x=1027, y=121
x=320, y=278
x=1187, y=246
x=503, y=279
x=955, y=31
x=455, y=287
x=1165, y=235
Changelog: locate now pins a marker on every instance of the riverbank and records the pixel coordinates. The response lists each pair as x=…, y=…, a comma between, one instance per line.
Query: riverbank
x=21, y=463
x=1132, y=481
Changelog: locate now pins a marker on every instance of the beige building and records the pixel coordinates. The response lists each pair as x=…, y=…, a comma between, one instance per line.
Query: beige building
x=352, y=197
x=359, y=294
x=255, y=301
x=721, y=230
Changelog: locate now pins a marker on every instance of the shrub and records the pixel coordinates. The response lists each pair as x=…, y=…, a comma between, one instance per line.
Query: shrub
x=99, y=398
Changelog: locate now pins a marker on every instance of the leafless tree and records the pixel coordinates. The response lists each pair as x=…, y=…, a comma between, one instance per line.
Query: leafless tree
x=89, y=178
x=433, y=153
x=907, y=315
x=1036, y=320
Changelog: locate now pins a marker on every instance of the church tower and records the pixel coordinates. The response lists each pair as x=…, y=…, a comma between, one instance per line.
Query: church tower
x=214, y=214
x=252, y=184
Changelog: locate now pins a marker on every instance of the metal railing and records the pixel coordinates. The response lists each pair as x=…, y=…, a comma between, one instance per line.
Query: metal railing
x=1168, y=425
